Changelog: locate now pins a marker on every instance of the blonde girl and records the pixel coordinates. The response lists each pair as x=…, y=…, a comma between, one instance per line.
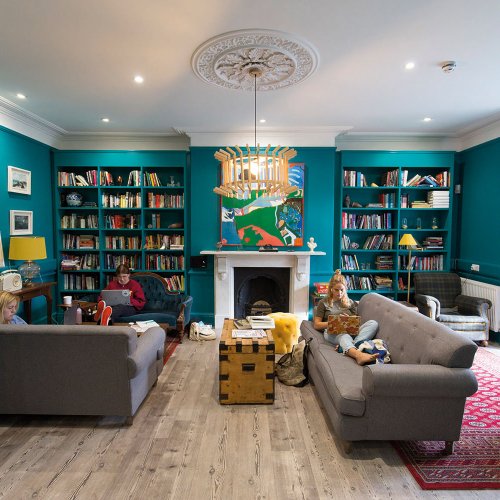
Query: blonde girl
x=8, y=307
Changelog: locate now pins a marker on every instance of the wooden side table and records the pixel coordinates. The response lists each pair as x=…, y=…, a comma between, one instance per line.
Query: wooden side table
x=37, y=290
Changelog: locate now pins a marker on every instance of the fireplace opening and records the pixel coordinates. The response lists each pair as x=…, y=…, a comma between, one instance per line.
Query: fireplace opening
x=260, y=291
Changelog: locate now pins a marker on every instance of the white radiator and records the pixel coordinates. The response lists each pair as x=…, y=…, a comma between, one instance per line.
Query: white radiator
x=485, y=291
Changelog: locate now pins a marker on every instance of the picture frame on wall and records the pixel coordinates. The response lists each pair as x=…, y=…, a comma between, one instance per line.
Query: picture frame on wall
x=21, y=222
x=2, y=258
x=18, y=180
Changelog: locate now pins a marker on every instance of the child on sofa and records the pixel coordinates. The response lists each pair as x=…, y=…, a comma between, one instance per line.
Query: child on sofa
x=8, y=305
x=338, y=302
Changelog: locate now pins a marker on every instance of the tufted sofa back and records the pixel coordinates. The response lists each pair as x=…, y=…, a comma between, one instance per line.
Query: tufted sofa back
x=412, y=338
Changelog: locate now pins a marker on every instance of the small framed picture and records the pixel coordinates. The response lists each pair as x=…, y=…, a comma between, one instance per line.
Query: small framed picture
x=21, y=222
x=19, y=180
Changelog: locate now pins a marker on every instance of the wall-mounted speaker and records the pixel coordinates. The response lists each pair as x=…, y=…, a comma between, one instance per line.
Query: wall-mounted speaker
x=198, y=261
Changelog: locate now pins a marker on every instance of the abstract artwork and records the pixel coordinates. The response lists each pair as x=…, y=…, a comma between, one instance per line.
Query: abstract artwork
x=266, y=220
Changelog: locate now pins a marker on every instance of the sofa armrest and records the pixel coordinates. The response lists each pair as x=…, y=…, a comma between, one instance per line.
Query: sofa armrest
x=150, y=346
x=472, y=305
x=428, y=305
x=428, y=381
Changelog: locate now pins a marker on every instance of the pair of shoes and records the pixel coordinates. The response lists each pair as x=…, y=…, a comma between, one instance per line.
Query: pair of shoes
x=106, y=315
x=100, y=308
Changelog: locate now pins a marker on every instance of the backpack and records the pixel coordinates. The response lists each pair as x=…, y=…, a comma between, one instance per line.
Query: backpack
x=200, y=331
x=291, y=368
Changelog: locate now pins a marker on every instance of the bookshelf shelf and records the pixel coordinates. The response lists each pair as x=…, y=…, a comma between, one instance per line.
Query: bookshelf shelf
x=379, y=178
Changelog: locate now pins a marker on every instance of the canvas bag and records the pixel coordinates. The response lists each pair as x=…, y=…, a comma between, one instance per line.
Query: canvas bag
x=291, y=368
x=200, y=331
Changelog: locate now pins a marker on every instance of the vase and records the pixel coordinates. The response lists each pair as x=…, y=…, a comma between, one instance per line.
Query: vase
x=74, y=199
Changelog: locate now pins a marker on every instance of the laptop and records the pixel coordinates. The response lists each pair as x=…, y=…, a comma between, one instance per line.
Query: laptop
x=343, y=324
x=116, y=297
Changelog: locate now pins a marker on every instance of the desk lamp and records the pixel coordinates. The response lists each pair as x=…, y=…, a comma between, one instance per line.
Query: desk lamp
x=29, y=249
x=409, y=241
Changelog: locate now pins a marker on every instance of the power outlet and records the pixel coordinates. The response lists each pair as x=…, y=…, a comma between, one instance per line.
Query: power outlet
x=474, y=267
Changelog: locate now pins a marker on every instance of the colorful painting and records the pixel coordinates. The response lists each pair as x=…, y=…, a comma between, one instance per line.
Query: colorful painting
x=266, y=220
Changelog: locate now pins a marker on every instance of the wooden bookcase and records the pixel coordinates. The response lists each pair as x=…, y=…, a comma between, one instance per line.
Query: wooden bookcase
x=127, y=215
x=369, y=231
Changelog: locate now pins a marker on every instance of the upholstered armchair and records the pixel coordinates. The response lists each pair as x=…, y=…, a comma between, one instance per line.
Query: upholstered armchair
x=161, y=305
x=439, y=296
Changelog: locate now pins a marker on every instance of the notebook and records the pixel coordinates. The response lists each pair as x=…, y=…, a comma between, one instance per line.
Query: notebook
x=343, y=324
x=116, y=297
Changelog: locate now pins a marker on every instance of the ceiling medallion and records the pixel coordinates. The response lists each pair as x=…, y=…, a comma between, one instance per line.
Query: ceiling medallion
x=230, y=60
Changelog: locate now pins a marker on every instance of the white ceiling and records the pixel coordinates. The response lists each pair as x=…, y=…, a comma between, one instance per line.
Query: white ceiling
x=76, y=61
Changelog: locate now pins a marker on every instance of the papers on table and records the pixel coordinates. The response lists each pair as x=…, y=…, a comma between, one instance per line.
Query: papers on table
x=249, y=334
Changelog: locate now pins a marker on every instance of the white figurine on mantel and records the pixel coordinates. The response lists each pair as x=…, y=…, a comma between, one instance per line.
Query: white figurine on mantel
x=311, y=244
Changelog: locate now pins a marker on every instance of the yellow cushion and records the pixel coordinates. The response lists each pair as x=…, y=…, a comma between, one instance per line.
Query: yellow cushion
x=286, y=331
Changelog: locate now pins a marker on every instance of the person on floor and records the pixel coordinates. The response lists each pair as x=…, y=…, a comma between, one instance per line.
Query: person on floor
x=122, y=281
x=8, y=305
x=338, y=302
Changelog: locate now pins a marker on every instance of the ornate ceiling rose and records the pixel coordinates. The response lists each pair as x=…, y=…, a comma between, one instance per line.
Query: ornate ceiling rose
x=230, y=60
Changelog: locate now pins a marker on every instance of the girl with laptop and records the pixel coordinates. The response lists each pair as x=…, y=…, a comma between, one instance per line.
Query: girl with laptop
x=121, y=282
x=336, y=303
x=8, y=307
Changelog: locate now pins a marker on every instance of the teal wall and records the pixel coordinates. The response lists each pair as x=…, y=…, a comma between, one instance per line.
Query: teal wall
x=20, y=151
x=478, y=228
x=319, y=205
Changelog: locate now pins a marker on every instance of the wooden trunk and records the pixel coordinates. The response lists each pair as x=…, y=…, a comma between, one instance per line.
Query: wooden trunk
x=246, y=368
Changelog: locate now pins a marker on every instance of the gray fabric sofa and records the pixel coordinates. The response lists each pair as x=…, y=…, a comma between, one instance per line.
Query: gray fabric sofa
x=419, y=396
x=77, y=370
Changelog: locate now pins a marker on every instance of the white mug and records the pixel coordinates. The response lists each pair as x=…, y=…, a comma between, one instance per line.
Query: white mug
x=67, y=300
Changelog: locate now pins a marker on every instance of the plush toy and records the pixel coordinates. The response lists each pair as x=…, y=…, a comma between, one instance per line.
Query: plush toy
x=378, y=347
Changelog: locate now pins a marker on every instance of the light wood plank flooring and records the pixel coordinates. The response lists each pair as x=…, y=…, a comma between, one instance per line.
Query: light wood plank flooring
x=184, y=445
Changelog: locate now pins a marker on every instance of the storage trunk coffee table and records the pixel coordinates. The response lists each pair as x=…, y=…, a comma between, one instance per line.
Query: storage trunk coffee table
x=246, y=368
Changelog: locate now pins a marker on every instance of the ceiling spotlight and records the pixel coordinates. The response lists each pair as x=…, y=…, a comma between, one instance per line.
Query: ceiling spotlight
x=20, y=96
x=138, y=79
x=262, y=120
x=409, y=65
x=448, y=66
x=105, y=120
x=427, y=119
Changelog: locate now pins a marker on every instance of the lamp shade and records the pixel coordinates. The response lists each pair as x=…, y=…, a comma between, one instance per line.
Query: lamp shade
x=408, y=240
x=27, y=248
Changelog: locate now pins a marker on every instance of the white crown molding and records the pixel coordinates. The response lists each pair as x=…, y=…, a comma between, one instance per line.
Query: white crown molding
x=173, y=141
x=406, y=142
x=304, y=137
x=479, y=136
x=26, y=123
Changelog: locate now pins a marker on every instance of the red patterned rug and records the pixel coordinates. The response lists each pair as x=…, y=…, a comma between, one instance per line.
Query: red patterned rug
x=475, y=462
x=170, y=346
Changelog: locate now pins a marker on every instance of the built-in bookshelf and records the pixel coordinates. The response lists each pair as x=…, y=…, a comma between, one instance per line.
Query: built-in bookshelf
x=133, y=215
x=378, y=204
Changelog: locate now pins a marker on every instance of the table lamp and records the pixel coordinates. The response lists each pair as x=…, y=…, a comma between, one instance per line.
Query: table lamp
x=29, y=249
x=409, y=241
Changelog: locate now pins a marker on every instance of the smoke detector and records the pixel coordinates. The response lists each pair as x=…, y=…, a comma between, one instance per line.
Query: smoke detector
x=448, y=66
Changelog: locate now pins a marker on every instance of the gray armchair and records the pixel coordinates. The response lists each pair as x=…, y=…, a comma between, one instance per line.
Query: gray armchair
x=161, y=305
x=439, y=296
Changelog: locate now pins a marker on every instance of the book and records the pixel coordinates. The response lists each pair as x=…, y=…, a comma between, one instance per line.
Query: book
x=242, y=324
x=248, y=334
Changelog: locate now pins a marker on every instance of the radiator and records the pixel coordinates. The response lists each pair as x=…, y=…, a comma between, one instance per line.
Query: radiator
x=485, y=291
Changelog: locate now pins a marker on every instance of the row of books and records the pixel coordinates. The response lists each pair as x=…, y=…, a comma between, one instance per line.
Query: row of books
x=80, y=282
x=89, y=261
x=387, y=200
x=112, y=261
x=433, y=243
x=438, y=199
x=151, y=179
x=440, y=180
x=379, y=242
x=384, y=262
x=165, y=200
x=350, y=262
x=164, y=240
x=122, y=242
x=163, y=262
x=73, y=179
x=390, y=178
x=128, y=221
x=75, y=221
x=372, y=282
x=121, y=200
x=429, y=263
x=106, y=178
x=373, y=221
x=175, y=283
x=80, y=241
x=354, y=179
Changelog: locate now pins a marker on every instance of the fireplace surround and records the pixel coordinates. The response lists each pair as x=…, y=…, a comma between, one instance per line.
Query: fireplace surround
x=225, y=263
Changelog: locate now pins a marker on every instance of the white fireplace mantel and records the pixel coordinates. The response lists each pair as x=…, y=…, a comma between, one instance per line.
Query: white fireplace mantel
x=226, y=261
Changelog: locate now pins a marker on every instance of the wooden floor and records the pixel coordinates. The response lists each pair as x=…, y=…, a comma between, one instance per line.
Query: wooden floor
x=184, y=445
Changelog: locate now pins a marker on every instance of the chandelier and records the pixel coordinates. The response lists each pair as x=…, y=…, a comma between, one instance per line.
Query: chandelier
x=259, y=171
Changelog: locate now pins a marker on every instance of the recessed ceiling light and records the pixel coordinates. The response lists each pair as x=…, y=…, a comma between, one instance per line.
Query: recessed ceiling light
x=105, y=120
x=138, y=79
x=20, y=96
x=427, y=119
x=262, y=120
x=409, y=65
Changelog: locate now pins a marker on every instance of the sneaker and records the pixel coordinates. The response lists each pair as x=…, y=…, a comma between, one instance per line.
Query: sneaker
x=100, y=308
x=106, y=315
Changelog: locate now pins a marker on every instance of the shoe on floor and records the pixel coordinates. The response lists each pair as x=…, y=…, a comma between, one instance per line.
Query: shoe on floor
x=100, y=308
x=106, y=315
